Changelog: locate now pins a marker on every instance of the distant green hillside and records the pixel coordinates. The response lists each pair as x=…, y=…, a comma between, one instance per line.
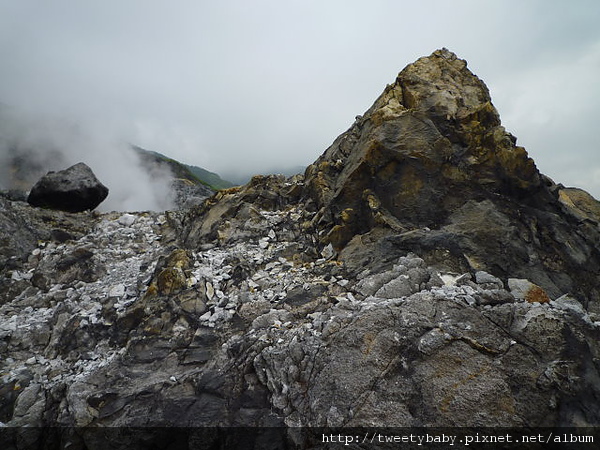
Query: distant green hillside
x=211, y=178
x=180, y=170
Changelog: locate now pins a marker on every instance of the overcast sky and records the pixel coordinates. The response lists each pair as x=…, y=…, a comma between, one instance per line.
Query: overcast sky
x=260, y=85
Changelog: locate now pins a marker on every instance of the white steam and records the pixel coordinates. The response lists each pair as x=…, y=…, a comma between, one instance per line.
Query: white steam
x=30, y=146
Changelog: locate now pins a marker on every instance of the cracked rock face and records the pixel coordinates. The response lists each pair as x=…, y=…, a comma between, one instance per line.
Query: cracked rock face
x=431, y=165
x=312, y=301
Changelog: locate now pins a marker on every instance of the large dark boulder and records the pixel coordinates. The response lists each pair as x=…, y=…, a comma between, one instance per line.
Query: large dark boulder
x=74, y=189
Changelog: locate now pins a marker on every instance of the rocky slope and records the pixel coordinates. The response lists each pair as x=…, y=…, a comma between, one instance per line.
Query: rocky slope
x=421, y=273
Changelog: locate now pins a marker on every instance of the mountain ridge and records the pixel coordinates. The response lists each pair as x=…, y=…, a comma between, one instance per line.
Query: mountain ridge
x=192, y=173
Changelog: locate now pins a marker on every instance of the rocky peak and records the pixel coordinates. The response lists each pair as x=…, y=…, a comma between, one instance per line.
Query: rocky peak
x=431, y=140
x=430, y=166
x=459, y=104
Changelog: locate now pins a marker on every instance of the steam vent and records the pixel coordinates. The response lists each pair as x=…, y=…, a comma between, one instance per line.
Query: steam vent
x=422, y=272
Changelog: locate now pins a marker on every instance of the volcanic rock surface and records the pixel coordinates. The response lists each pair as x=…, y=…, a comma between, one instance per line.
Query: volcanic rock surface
x=74, y=189
x=431, y=165
x=421, y=273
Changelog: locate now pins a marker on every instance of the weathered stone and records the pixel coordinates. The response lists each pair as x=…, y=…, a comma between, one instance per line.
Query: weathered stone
x=171, y=280
x=580, y=204
x=431, y=137
x=188, y=194
x=527, y=291
x=568, y=303
x=489, y=280
x=117, y=291
x=494, y=297
x=74, y=189
x=192, y=302
x=79, y=264
x=126, y=220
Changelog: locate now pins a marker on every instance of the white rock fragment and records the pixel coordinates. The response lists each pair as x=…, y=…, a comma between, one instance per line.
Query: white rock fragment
x=117, y=291
x=18, y=276
x=449, y=279
x=328, y=251
x=210, y=290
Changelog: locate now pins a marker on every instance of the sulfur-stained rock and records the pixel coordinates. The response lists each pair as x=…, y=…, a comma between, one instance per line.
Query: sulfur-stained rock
x=171, y=280
x=580, y=203
x=178, y=259
x=430, y=140
x=525, y=290
x=430, y=165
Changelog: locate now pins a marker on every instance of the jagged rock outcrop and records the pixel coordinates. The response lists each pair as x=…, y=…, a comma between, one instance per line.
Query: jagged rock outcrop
x=74, y=189
x=421, y=273
x=22, y=228
x=188, y=194
x=431, y=164
x=431, y=141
